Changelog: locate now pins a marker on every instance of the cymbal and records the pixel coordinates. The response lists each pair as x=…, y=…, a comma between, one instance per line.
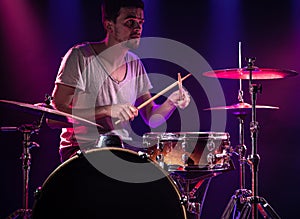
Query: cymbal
x=241, y=106
x=53, y=114
x=257, y=73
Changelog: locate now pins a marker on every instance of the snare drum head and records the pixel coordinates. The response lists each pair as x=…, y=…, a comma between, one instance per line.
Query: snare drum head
x=76, y=189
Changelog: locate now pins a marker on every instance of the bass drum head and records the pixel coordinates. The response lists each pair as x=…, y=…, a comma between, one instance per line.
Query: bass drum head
x=77, y=189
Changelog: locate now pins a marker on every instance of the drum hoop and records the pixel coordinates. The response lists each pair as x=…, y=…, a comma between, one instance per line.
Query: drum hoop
x=186, y=135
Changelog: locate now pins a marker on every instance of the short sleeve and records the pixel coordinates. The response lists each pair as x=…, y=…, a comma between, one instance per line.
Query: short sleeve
x=71, y=69
x=144, y=83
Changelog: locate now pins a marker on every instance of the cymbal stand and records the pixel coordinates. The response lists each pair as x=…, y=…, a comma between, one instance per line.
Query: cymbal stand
x=240, y=196
x=255, y=202
x=241, y=148
x=247, y=201
x=27, y=130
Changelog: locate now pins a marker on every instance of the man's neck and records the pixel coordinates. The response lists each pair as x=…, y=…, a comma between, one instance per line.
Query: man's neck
x=113, y=52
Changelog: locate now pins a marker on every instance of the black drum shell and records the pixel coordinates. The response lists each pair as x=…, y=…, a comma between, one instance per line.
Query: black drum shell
x=76, y=189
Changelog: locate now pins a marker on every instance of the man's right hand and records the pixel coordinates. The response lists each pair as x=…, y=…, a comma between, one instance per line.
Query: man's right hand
x=123, y=112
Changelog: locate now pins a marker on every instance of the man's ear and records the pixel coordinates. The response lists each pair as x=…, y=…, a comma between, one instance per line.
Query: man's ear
x=108, y=25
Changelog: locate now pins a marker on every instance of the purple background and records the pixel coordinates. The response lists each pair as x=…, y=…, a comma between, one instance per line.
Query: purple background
x=36, y=34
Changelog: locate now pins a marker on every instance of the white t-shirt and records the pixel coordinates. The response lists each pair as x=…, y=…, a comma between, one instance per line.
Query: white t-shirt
x=84, y=70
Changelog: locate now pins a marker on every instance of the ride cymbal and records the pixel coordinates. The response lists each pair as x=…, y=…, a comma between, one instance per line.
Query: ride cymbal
x=241, y=106
x=257, y=73
x=38, y=109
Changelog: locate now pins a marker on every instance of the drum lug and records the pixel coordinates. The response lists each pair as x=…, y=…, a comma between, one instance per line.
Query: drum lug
x=160, y=160
x=159, y=157
x=185, y=158
x=184, y=145
x=194, y=207
x=143, y=155
x=160, y=146
x=37, y=193
x=184, y=200
x=211, y=159
x=79, y=153
x=210, y=145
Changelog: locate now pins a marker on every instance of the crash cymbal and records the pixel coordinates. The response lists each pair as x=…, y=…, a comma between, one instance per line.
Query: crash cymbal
x=257, y=73
x=241, y=106
x=38, y=109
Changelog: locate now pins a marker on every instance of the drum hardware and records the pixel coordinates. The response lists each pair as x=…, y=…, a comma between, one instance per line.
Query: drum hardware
x=190, y=192
x=241, y=148
x=45, y=111
x=257, y=203
x=109, y=140
x=143, y=155
x=240, y=197
x=247, y=201
x=27, y=130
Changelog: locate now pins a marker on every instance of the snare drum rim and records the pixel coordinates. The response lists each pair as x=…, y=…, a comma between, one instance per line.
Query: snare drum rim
x=185, y=135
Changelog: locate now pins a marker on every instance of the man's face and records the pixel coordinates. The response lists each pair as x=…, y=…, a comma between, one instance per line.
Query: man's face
x=128, y=27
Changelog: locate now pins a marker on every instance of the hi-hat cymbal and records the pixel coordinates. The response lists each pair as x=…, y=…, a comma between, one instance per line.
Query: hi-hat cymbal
x=241, y=106
x=53, y=114
x=257, y=73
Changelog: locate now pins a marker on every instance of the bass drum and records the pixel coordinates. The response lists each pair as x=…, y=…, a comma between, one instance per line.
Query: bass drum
x=109, y=183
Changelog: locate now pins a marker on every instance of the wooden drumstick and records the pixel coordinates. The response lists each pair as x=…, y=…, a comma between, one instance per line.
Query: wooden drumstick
x=159, y=94
x=180, y=87
x=162, y=92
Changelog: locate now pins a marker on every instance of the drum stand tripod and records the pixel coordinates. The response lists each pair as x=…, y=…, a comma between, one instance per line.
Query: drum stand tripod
x=246, y=201
x=27, y=130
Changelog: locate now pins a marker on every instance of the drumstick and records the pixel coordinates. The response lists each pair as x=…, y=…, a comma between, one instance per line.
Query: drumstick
x=159, y=94
x=162, y=92
x=180, y=87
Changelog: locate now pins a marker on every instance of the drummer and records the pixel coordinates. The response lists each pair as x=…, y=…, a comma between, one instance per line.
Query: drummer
x=105, y=82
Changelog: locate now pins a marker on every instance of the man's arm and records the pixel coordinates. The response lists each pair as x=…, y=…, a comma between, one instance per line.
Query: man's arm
x=63, y=96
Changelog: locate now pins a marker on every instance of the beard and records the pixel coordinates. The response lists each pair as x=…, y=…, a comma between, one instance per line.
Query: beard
x=132, y=43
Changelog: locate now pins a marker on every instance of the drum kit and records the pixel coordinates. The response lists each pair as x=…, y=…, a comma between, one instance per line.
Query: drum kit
x=184, y=162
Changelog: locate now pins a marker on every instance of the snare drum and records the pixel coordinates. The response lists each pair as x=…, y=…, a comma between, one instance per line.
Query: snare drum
x=188, y=150
x=77, y=189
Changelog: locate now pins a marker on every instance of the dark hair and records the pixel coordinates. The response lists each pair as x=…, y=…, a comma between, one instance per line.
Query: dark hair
x=111, y=8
